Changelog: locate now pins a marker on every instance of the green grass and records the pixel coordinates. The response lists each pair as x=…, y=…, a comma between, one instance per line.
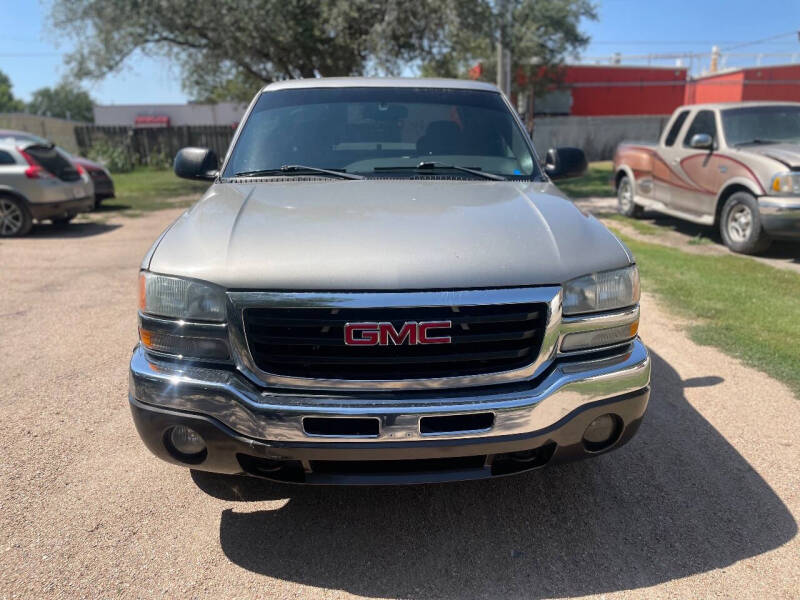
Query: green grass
x=594, y=183
x=146, y=189
x=745, y=308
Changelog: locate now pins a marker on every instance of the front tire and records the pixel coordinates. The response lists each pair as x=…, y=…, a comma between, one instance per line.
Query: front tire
x=625, y=204
x=15, y=220
x=740, y=225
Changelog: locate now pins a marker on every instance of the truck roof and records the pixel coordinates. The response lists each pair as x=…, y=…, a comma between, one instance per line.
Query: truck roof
x=723, y=105
x=406, y=82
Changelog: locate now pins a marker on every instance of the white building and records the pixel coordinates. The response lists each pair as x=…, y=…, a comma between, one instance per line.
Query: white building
x=169, y=115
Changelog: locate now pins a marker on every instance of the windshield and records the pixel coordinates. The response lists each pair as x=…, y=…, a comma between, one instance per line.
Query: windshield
x=372, y=131
x=761, y=124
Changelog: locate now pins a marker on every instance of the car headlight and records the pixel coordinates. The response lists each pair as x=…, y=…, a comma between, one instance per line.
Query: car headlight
x=182, y=318
x=787, y=183
x=607, y=290
x=177, y=298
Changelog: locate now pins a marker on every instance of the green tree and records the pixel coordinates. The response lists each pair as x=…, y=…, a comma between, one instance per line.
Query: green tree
x=226, y=49
x=238, y=45
x=8, y=103
x=540, y=35
x=66, y=101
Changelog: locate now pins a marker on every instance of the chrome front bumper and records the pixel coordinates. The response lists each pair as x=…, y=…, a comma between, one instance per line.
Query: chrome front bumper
x=277, y=416
x=780, y=216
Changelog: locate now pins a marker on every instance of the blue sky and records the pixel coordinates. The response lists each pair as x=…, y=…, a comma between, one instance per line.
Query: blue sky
x=32, y=59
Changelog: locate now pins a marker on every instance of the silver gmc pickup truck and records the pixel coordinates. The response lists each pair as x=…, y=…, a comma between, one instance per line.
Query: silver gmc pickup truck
x=383, y=285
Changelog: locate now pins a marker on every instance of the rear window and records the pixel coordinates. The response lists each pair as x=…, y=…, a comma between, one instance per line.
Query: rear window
x=6, y=158
x=675, y=129
x=54, y=162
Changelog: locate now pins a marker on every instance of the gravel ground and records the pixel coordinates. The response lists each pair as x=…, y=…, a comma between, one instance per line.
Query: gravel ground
x=684, y=235
x=703, y=503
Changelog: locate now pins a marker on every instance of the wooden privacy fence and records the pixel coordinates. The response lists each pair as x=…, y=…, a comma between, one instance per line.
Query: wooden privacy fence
x=149, y=146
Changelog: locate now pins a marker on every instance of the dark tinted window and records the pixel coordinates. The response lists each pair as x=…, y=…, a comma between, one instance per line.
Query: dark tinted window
x=363, y=129
x=676, y=128
x=6, y=158
x=52, y=160
x=761, y=124
x=704, y=122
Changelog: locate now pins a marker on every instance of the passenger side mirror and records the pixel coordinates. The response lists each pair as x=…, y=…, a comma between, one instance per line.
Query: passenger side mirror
x=701, y=141
x=562, y=163
x=196, y=163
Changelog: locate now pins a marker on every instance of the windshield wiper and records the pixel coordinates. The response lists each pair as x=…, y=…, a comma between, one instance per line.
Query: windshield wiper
x=428, y=166
x=298, y=169
x=756, y=141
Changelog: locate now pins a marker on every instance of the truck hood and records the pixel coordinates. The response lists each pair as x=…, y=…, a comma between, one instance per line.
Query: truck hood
x=385, y=235
x=787, y=154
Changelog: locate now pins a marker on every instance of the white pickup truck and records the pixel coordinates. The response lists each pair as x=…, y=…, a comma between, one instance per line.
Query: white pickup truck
x=735, y=166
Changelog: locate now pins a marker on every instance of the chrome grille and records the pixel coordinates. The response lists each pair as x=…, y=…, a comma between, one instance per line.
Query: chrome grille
x=308, y=342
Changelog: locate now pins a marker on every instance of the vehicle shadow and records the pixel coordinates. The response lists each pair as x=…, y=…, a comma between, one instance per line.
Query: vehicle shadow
x=779, y=249
x=678, y=500
x=72, y=230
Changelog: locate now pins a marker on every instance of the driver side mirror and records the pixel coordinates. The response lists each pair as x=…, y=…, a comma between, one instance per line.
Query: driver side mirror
x=565, y=162
x=196, y=163
x=701, y=141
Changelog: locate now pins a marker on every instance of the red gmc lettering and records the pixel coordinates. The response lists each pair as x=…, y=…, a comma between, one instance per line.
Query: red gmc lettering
x=384, y=334
x=387, y=332
x=369, y=337
x=426, y=326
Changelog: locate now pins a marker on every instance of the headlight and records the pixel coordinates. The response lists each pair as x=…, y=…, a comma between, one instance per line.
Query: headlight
x=178, y=298
x=785, y=184
x=608, y=290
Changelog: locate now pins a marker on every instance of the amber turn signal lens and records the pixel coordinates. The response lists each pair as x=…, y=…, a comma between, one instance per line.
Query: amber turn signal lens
x=142, y=291
x=635, y=328
x=146, y=337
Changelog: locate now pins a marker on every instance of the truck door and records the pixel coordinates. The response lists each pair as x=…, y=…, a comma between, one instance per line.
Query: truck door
x=695, y=173
x=662, y=170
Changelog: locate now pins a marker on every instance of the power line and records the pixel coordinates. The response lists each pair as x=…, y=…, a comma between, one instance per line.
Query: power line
x=761, y=41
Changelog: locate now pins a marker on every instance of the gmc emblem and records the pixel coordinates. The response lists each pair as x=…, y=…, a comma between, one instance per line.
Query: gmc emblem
x=383, y=334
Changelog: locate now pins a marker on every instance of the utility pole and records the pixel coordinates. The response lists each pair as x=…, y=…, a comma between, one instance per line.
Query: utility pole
x=504, y=10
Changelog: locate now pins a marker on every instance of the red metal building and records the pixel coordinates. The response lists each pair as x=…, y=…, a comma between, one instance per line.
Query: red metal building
x=603, y=90
x=754, y=83
x=624, y=90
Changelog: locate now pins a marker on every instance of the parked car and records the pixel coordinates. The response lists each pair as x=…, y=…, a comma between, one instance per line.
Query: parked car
x=734, y=165
x=38, y=183
x=100, y=176
x=383, y=285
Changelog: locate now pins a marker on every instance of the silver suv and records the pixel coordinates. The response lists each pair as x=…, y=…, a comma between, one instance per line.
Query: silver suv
x=37, y=182
x=382, y=285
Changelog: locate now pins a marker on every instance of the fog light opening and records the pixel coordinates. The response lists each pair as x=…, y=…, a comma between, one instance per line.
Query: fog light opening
x=602, y=433
x=185, y=444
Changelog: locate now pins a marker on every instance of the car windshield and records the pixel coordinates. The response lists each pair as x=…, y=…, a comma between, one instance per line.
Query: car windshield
x=383, y=132
x=761, y=124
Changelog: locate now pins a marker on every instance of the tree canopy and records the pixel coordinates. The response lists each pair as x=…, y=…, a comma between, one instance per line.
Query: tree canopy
x=227, y=48
x=8, y=103
x=66, y=101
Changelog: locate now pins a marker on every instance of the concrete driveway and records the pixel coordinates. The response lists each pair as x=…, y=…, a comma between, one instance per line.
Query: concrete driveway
x=704, y=502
